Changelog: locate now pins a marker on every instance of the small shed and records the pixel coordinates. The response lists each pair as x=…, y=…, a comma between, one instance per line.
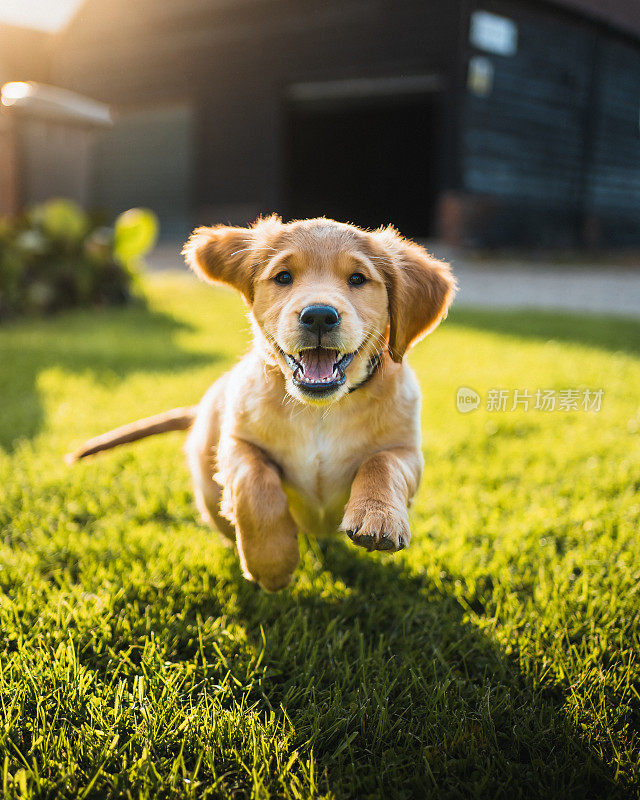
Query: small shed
x=46, y=138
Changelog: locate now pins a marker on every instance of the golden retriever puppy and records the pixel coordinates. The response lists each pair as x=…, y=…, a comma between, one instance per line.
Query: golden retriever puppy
x=317, y=428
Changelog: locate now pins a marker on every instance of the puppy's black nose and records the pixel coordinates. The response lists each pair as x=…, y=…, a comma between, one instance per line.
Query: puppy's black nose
x=319, y=319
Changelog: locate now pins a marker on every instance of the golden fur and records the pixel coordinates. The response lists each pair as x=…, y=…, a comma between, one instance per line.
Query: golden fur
x=268, y=459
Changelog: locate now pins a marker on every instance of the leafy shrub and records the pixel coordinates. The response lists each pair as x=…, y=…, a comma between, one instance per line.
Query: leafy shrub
x=57, y=256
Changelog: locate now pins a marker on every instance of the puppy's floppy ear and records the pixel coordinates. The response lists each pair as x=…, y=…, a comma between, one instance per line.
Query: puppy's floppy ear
x=223, y=255
x=420, y=290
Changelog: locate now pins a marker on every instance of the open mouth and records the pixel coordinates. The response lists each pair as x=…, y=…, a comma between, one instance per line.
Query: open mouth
x=319, y=370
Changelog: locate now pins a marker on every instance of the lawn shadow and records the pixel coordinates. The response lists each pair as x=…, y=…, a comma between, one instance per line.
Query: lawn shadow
x=109, y=344
x=410, y=698
x=384, y=677
x=605, y=332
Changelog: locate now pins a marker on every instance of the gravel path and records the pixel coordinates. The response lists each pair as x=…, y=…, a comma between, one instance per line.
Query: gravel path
x=609, y=290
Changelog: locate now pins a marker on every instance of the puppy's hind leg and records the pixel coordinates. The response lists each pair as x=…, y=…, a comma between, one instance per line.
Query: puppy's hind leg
x=207, y=493
x=200, y=448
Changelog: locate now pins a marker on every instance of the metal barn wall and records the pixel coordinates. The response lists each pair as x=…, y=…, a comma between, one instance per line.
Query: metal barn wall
x=234, y=62
x=523, y=141
x=612, y=182
x=549, y=156
x=551, y=153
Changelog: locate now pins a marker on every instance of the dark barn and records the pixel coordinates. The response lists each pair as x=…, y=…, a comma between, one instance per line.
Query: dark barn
x=485, y=123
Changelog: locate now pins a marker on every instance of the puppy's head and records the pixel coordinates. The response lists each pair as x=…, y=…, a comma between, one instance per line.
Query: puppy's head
x=326, y=297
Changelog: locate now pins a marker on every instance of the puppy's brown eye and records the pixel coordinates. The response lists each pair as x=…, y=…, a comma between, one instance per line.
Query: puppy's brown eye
x=284, y=278
x=357, y=279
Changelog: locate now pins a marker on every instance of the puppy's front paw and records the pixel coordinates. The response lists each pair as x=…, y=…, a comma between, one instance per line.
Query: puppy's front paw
x=376, y=526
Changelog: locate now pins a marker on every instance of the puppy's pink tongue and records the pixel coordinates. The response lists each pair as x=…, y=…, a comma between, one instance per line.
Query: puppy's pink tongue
x=318, y=364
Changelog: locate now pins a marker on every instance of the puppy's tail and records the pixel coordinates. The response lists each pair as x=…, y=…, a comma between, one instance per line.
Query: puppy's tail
x=178, y=419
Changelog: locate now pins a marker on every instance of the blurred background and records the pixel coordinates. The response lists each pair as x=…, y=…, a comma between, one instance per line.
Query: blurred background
x=484, y=127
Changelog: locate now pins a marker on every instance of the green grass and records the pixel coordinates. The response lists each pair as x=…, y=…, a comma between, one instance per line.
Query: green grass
x=497, y=657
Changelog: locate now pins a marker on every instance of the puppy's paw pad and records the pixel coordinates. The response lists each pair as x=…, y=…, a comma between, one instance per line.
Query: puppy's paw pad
x=377, y=526
x=365, y=540
x=386, y=543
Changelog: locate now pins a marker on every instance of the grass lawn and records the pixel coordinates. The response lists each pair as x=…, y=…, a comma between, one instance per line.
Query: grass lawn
x=497, y=657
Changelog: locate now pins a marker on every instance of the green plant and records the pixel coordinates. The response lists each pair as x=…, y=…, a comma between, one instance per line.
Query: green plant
x=57, y=256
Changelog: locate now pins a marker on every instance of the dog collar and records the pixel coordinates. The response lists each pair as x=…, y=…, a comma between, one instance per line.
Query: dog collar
x=372, y=367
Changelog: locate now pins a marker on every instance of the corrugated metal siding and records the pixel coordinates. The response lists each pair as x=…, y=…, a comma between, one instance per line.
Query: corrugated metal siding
x=613, y=177
x=524, y=140
x=555, y=144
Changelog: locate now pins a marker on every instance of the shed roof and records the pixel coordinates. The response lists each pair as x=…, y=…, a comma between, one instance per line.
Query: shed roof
x=40, y=100
x=621, y=14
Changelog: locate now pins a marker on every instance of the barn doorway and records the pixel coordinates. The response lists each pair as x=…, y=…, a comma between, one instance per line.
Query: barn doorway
x=371, y=161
